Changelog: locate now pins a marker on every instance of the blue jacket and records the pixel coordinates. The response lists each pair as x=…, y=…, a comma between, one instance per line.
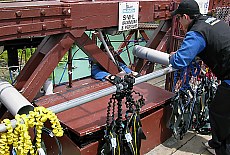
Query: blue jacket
x=192, y=45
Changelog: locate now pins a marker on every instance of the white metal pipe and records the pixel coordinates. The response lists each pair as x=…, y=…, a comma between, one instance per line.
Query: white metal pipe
x=13, y=100
x=108, y=51
x=151, y=55
x=106, y=46
x=48, y=87
x=95, y=95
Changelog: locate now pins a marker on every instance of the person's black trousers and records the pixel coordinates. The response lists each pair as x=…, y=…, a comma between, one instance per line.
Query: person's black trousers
x=219, y=114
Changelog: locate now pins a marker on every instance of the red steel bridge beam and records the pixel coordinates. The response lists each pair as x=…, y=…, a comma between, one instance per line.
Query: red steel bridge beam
x=27, y=19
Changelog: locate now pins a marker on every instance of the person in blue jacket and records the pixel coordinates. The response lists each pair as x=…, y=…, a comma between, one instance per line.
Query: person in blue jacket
x=98, y=73
x=209, y=39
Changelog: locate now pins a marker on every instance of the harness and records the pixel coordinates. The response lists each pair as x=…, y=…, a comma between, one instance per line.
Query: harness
x=123, y=135
x=190, y=105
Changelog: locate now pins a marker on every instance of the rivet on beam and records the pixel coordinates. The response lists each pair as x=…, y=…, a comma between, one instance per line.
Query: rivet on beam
x=18, y=13
x=43, y=12
x=166, y=6
x=167, y=14
x=44, y=27
x=66, y=11
x=64, y=23
x=19, y=29
x=140, y=7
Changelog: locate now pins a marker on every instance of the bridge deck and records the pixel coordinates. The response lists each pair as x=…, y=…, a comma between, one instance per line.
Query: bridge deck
x=191, y=144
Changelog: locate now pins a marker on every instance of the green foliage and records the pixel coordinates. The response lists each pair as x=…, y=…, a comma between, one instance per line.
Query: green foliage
x=64, y=59
x=25, y=54
x=4, y=56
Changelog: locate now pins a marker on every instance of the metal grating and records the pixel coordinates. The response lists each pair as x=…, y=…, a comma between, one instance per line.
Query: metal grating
x=223, y=13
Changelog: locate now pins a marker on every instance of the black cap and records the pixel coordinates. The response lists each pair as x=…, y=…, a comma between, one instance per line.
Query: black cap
x=189, y=7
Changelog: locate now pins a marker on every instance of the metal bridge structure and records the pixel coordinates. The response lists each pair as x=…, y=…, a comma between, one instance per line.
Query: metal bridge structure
x=53, y=27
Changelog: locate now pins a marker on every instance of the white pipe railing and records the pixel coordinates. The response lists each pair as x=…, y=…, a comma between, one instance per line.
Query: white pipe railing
x=106, y=47
x=151, y=55
x=108, y=51
x=13, y=100
x=95, y=95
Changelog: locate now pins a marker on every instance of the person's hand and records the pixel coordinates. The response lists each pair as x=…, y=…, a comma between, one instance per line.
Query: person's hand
x=171, y=54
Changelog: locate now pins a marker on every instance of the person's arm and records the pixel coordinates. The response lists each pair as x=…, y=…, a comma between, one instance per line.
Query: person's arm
x=192, y=45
